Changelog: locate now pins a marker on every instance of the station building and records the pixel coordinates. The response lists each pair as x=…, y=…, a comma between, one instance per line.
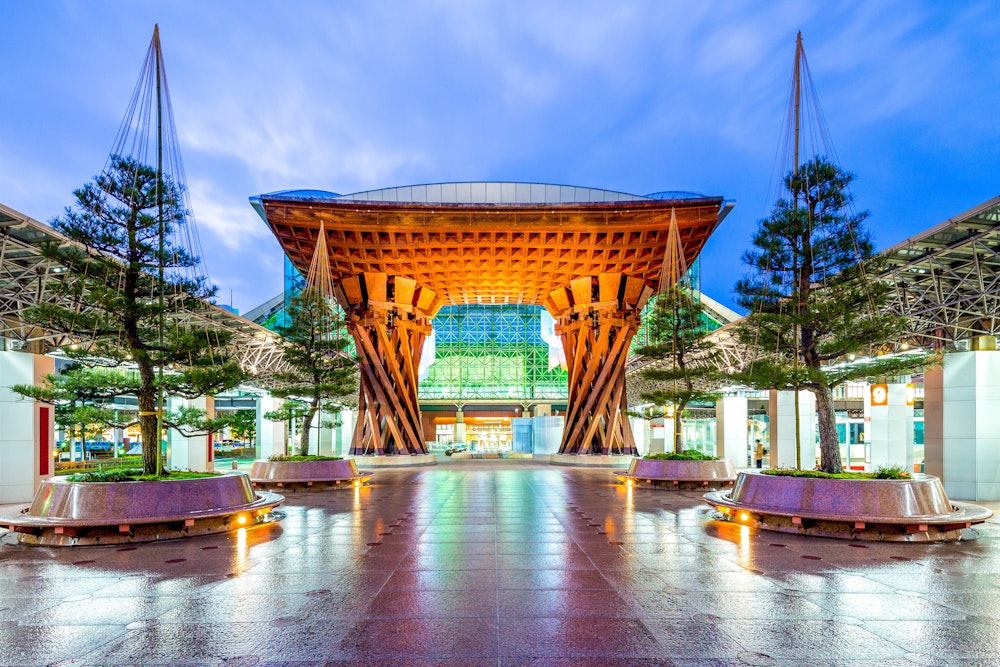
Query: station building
x=493, y=374
x=495, y=363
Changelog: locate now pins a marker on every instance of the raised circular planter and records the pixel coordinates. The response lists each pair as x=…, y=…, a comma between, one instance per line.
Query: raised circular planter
x=66, y=513
x=910, y=510
x=308, y=475
x=396, y=461
x=678, y=474
x=590, y=460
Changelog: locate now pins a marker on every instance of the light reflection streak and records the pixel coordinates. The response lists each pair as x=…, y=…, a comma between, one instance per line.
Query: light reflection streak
x=360, y=493
x=744, y=545
x=242, y=551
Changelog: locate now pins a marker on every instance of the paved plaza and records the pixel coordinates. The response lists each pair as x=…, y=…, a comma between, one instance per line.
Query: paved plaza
x=502, y=563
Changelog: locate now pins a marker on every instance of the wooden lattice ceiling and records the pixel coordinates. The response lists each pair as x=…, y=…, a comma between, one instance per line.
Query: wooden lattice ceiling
x=491, y=253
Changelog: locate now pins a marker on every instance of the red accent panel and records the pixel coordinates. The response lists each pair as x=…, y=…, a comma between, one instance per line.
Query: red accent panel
x=211, y=449
x=44, y=457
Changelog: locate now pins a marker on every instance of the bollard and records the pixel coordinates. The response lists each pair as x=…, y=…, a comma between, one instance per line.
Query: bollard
x=234, y=465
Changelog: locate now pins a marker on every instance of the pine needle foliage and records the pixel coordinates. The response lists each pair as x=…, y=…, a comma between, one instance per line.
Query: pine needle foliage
x=677, y=328
x=112, y=282
x=322, y=374
x=813, y=302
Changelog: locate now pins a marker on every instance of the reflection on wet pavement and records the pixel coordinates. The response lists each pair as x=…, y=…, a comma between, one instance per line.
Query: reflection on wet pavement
x=502, y=563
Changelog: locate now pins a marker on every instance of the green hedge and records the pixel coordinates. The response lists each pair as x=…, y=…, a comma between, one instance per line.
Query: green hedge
x=686, y=455
x=883, y=472
x=304, y=458
x=135, y=475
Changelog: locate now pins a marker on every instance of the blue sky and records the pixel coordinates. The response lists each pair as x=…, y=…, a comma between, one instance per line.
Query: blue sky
x=631, y=96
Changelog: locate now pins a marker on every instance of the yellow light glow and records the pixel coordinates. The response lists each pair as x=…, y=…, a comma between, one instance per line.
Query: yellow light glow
x=241, y=519
x=242, y=550
x=744, y=516
x=745, y=552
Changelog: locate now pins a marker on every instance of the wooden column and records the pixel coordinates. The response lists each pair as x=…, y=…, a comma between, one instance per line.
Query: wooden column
x=596, y=318
x=389, y=318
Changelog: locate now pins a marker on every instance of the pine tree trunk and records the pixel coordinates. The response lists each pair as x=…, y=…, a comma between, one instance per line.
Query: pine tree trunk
x=678, y=432
x=146, y=397
x=679, y=426
x=147, y=426
x=306, y=427
x=829, y=443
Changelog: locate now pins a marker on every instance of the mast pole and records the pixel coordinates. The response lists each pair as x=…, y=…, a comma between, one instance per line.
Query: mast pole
x=797, y=77
x=159, y=208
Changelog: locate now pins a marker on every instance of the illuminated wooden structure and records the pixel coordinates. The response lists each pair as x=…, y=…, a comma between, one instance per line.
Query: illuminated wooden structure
x=592, y=258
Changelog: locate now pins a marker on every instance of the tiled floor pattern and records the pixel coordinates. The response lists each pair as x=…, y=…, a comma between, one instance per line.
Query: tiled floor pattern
x=502, y=563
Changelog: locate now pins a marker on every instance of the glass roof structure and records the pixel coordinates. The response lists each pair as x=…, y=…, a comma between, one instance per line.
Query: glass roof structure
x=478, y=192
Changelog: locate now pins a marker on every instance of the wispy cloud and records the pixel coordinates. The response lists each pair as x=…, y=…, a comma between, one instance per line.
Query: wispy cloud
x=637, y=95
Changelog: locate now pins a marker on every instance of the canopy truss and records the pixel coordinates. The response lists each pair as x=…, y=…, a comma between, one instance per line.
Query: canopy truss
x=26, y=278
x=945, y=282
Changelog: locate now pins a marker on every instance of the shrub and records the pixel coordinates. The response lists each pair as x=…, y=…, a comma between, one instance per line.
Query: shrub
x=304, y=458
x=891, y=472
x=885, y=472
x=135, y=475
x=112, y=475
x=686, y=455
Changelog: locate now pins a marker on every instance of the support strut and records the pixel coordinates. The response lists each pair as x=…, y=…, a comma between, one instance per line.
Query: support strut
x=389, y=318
x=596, y=317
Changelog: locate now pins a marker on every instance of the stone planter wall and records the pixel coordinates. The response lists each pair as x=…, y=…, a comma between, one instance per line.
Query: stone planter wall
x=67, y=513
x=303, y=471
x=911, y=510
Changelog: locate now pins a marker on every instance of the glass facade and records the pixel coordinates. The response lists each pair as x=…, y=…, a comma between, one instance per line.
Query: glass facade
x=491, y=352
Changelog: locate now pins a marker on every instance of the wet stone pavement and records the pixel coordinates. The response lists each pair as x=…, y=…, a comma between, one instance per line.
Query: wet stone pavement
x=502, y=563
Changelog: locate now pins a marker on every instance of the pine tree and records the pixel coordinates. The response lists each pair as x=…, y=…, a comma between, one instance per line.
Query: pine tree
x=80, y=395
x=321, y=374
x=677, y=330
x=119, y=300
x=243, y=426
x=814, y=303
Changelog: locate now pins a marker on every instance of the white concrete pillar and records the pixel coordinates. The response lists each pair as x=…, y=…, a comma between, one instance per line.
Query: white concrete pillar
x=196, y=452
x=731, y=414
x=972, y=425
x=781, y=412
x=662, y=437
x=459, y=437
x=546, y=435
x=661, y=432
x=640, y=434
x=27, y=428
x=322, y=439
x=272, y=437
x=889, y=424
x=345, y=432
x=934, y=421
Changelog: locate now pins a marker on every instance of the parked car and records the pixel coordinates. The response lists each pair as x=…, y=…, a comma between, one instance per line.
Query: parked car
x=93, y=449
